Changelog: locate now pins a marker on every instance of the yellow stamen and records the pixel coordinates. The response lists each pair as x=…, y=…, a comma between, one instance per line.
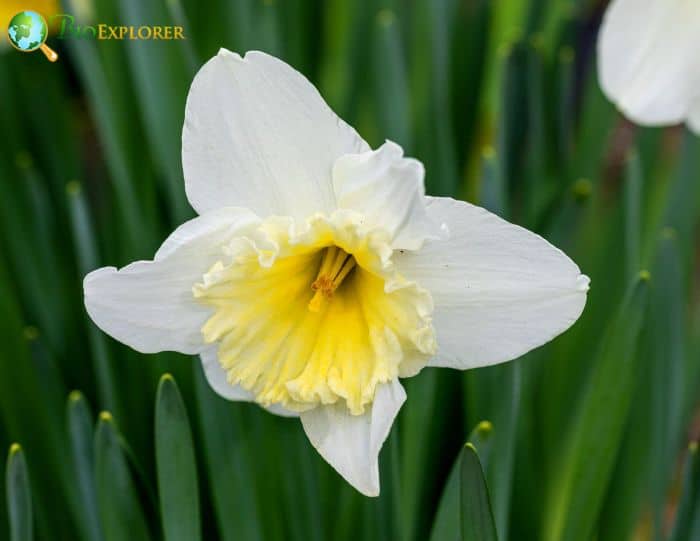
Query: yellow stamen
x=344, y=271
x=335, y=267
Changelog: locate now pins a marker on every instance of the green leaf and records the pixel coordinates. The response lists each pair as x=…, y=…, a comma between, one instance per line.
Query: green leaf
x=580, y=476
x=447, y=520
x=161, y=79
x=175, y=462
x=476, y=517
x=120, y=510
x=416, y=416
x=341, y=63
x=493, y=195
x=633, y=221
x=81, y=436
x=512, y=120
x=86, y=249
x=388, y=508
x=644, y=468
x=19, y=499
x=108, y=98
x=229, y=467
x=666, y=347
x=689, y=505
x=495, y=392
x=431, y=104
x=390, y=80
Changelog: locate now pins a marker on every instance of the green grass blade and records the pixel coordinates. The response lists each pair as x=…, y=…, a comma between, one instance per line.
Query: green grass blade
x=86, y=250
x=416, y=413
x=581, y=475
x=19, y=499
x=512, y=121
x=565, y=112
x=667, y=339
x=493, y=195
x=495, y=392
x=390, y=83
x=229, y=467
x=27, y=415
x=175, y=462
x=388, y=505
x=476, y=517
x=430, y=91
x=106, y=98
x=339, y=70
x=81, y=436
x=643, y=469
x=632, y=203
x=471, y=25
x=121, y=513
x=688, y=508
x=447, y=520
x=161, y=80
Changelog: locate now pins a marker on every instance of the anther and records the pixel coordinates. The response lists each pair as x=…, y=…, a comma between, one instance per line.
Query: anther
x=335, y=267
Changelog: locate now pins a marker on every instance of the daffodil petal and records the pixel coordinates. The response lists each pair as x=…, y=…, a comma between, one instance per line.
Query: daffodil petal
x=499, y=290
x=351, y=443
x=258, y=134
x=647, y=59
x=388, y=190
x=216, y=376
x=149, y=305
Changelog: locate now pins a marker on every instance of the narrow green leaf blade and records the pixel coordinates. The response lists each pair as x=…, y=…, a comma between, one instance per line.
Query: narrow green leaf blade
x=87, y=260
x=690, y=499
x=476, y=516
x=175, y=461
x=19, y=500
x=120, y=510
x=229, y=468
x=632, y=204
x=81, y=435
x=581, y=475
x=390, y=79
x=447, y=520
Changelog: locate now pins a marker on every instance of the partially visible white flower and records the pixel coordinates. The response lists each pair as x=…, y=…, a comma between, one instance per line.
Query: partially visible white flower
x=318, y=273
x=649, y=61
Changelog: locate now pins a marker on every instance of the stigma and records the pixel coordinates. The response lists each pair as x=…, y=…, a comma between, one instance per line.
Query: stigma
x=336, y=266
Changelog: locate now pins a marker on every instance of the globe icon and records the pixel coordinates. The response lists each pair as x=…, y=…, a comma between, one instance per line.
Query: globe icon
x=27, y=31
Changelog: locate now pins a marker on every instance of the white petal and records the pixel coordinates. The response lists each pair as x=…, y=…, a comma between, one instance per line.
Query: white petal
x=351, y=443
x=149, y=305
x=388, y=190
x=257, y=134
x=648, y=58
x=216, y=376
x=499, y=290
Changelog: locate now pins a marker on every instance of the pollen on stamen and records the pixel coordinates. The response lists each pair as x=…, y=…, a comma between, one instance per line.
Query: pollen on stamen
x=336, y=265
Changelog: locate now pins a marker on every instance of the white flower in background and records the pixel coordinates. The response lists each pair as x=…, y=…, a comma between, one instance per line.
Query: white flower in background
x=649, y=60
x=318, y=273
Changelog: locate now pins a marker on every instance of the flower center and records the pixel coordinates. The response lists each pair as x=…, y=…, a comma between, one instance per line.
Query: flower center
x=336, y=265
x=315, y=314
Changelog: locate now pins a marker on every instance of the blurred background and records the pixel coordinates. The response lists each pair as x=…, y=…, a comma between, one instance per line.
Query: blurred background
x=587, y=437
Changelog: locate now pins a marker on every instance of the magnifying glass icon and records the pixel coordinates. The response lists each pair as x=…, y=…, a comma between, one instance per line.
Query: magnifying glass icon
x=28, y=31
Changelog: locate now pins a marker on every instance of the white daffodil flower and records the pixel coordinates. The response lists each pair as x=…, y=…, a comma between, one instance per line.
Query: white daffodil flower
x=648, y=61
x=318, y=273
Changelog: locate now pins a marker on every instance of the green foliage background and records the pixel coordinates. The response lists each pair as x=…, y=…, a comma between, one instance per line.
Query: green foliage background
x=587, y=436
